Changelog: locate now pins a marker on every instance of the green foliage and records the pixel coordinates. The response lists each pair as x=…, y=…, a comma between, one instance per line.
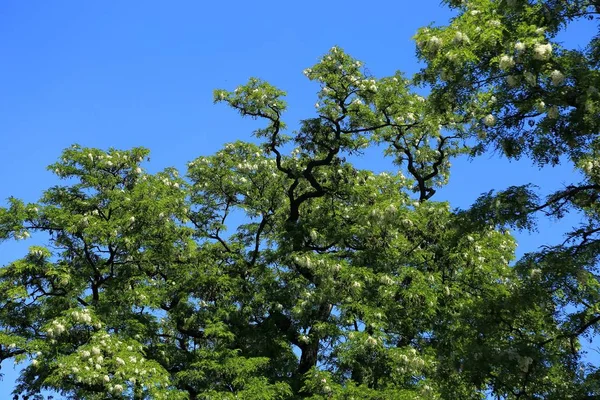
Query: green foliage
x=337, y=283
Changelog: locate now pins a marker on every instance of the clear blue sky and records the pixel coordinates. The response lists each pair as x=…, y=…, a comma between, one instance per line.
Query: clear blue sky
x=141, y=73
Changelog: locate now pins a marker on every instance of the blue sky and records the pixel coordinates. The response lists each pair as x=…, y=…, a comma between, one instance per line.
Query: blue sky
x=124, y=74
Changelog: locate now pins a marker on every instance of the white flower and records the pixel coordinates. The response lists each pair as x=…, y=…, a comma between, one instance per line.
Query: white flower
x=109, y=163
x=542, y=51
x=460, y=37
x=356, y=284
x=120, y=361
x=317, y=105
x=35, y=363
x=434, y=43
x=85, y=354
x=59, y=328
x=138, y=170
x=118, y=388
x=489, y=120
x=506, y=62
x=106, y=378
x=371, y=341
x=557, y=77
x=95, y=351
x=75, y=370
x=519, y=46
x=530, y=78
x=495, y=23
x=540, y=106
x=132, y=219
x=553, y=112
x=535, y=273
x=524, y=363
x=304, y=339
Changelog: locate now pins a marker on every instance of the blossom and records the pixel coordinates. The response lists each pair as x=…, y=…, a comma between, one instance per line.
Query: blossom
x=524, y=363
x=512, y=80
x=519, y=46
x=106, y=378
x=506, y=62
x=489, y=120
x=460, y=37
x=530, y=78
x=304, y=338
x=434, y=43
x=557, y=77
x=120, y=361
x=553, y=112
x=535, y=273
x=540, y=106
x=542, y=51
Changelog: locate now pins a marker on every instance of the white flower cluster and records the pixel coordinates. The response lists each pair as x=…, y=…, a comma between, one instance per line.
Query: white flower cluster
x=36, y=252
x=542, y=51
x=460, y=38
x=590, y=166
x=530, y=78
x=524, y=363
x=553, y=112
x=506, y=62
x=489, y=120
x=512, y=80
x=557, y=77
x=434, y=43
x=82, y=316
x=56, y=329
x=21, y=235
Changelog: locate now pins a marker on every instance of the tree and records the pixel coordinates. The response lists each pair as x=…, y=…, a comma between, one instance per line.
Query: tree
x=338, y=283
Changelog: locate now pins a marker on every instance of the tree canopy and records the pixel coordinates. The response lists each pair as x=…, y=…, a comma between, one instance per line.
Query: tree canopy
x=276, y=269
